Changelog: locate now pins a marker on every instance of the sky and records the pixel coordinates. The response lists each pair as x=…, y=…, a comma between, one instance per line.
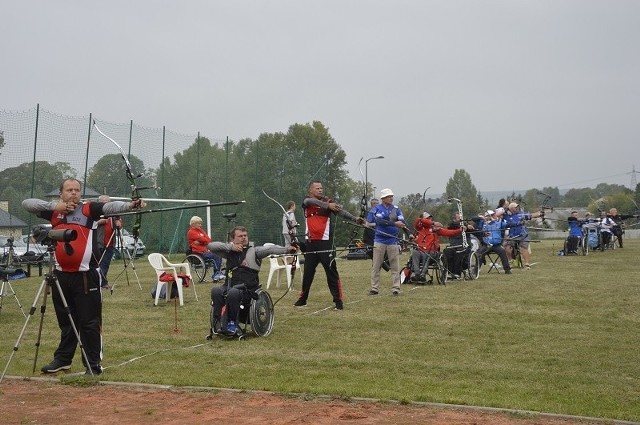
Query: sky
x=520, y=94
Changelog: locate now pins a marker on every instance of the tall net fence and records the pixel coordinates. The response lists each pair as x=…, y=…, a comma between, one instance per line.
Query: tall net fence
x=41, y=148
x=37, y=135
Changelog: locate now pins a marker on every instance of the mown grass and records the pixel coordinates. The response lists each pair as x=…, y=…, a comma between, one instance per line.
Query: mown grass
x=562, y=337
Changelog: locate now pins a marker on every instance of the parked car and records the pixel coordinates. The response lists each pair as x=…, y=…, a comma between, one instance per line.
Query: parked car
x=129, y=244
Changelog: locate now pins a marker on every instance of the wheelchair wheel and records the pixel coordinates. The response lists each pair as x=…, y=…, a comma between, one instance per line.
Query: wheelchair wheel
x=584, y=245
x=473, y=266
x=198, y=266
x=261, y=314
x=216, y=325
x=441, y=271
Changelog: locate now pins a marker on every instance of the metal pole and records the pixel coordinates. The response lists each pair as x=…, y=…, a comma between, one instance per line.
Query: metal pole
x=366, y=175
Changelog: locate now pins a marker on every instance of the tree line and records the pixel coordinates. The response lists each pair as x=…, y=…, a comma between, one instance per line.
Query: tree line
x=281, y=164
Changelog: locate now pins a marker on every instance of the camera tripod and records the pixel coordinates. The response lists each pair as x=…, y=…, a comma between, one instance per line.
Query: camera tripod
x=127, y=262
x=7, y=289
x=48, y=282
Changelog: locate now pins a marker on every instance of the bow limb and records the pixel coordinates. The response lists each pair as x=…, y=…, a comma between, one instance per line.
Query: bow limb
x=462, y=225
x=363, y=203
x=135, y=193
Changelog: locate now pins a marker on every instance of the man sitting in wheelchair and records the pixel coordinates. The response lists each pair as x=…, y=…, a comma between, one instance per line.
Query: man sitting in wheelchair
x=428, y=241
x=243, y=266
x=575, y=232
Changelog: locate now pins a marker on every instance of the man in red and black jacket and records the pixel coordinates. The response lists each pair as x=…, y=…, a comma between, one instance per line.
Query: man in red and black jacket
x=319, y=242
x=77, y=272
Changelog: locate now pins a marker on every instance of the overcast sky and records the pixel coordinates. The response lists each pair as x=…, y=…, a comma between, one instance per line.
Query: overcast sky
x=520, y=94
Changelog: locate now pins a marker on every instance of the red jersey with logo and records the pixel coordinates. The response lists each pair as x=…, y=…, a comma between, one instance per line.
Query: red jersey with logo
x=84, y=253
x=317, y=221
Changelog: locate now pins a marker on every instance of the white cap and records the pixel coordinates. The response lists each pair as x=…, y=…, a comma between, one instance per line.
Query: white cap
x=426, y=215
x=385, y=192
x=490, y=212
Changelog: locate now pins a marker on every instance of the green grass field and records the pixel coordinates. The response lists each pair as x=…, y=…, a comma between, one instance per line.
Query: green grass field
x=562, y=337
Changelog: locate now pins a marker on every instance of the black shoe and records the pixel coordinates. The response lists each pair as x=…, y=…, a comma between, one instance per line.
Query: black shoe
x=55, y=366
x=372, y=292
x=507, y=272
x=300, y=303
x=395, y=292
x=339, y=306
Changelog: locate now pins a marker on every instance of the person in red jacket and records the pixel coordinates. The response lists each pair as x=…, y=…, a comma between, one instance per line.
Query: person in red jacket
x=427, y=238
x=198, y=241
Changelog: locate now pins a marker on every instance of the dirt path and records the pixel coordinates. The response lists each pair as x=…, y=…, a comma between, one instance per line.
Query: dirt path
x=48, y=402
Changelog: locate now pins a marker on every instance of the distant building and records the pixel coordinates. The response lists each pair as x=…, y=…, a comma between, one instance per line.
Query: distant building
x=10, y=225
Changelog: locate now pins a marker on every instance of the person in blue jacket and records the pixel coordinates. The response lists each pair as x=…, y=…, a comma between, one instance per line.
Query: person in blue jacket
x=575, y=232
x=493, y=228
x=516, y=220
x=388, y=220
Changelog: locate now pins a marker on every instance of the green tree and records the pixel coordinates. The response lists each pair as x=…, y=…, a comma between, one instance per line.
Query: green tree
x=461, y=187
x=1, y=141
x=108, y=175
x=580, y=197
x=44, y=177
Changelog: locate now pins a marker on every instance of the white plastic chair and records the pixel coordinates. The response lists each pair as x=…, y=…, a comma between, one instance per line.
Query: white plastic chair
x=278, y=263
x=161, y=265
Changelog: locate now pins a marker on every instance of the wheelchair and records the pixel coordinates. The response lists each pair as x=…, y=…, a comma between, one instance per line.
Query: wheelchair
x=435, y=270
x=591, y=238
x=578, y=243
x=200, y=266
x=256, y=313
x=470, y=260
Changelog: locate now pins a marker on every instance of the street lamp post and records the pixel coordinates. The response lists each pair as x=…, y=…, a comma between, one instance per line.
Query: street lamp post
x=366, y=175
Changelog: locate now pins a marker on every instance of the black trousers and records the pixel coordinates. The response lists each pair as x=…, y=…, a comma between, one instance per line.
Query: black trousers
x=82, y=292
x=311, y=262
x=232, y=297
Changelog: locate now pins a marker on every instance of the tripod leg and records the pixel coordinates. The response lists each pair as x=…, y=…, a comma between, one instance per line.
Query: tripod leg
x=24, y=327
x=43, y=309
x=123, y=249
x=4, y=293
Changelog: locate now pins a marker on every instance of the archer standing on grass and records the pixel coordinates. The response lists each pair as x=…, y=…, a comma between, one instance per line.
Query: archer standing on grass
x=388, y=220
x=516, y=220
x=77, y=271
x=319, y=242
